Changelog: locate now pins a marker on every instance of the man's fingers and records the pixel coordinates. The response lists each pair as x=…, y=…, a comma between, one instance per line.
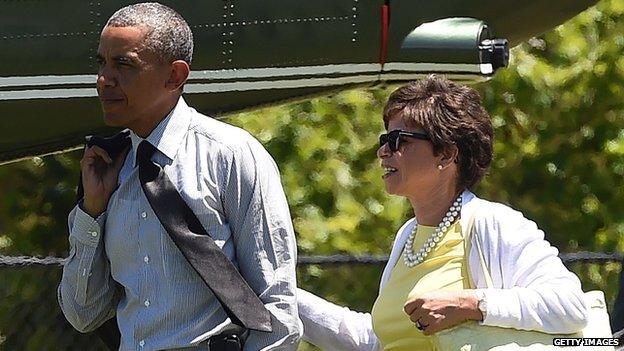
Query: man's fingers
x=88, y=160
x=96, y=151
x=95, y=159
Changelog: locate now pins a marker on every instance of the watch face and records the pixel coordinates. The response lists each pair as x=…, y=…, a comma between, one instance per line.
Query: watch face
x=482, y=304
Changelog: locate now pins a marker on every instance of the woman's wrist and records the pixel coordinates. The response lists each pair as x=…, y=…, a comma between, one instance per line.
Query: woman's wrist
x=470, y=305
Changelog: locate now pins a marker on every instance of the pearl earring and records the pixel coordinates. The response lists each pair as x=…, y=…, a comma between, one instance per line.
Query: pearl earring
x=440, y=167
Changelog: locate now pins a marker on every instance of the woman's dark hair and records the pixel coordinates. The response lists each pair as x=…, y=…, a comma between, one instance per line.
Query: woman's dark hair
x=451, y=114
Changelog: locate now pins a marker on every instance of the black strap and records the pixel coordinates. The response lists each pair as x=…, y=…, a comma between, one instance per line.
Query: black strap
x=217, y=271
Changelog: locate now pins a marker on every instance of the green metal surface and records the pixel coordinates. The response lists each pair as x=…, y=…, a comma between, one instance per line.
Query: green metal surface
x=449, y=40
x=515, y=21
x=228, y=34
x=247, y=54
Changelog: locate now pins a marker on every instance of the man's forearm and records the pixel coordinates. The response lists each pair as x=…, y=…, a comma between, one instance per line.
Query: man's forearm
x=86, y=293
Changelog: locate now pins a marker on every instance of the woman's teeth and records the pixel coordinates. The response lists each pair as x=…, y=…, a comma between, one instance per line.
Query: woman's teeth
x=388, y=170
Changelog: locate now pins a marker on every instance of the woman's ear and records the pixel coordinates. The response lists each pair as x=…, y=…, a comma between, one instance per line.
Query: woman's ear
x=449, y=156
x=178, y=75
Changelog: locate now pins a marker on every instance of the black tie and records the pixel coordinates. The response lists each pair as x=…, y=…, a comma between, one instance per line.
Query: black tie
x=216, y=270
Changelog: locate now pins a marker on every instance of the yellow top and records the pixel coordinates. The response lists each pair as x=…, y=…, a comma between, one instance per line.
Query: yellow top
x=444, y=268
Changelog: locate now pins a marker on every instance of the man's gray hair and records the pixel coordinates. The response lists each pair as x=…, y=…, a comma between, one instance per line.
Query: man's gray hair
x=168, y=36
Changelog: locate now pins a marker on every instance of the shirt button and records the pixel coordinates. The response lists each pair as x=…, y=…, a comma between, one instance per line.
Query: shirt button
x=146, y=259
x=146, y=303
x=93, y=233
x=142, y=343
x=144, y=214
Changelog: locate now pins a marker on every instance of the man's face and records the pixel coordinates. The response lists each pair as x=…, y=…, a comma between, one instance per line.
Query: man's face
x=131, y=81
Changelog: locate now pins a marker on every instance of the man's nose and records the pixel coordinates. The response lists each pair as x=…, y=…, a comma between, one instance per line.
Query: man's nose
x=106, y=78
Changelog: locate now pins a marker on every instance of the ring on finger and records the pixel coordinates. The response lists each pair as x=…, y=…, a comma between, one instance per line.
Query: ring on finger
x=421, y=326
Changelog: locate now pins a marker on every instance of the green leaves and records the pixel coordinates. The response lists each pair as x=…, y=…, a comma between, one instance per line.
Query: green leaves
x=36, y=197
x=558, y=113
x=325, y=149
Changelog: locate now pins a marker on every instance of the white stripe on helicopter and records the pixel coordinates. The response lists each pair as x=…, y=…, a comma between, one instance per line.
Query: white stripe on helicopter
x=192, y=88
x=205, y=74
x=411, y=71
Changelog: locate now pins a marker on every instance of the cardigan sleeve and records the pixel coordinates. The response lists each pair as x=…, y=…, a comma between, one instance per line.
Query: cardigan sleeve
x=532, y=289
x=333, y=327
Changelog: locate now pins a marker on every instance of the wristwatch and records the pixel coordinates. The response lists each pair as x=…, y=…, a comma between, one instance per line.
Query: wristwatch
x=482, y=304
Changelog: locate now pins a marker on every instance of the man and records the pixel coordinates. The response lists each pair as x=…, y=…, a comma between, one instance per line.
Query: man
x=122, y=260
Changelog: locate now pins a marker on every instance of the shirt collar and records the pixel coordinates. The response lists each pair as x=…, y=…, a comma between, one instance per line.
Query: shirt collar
x=169, y=133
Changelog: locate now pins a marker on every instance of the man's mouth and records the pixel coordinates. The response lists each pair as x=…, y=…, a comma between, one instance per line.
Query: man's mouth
x=110, y=100
x=108, y=103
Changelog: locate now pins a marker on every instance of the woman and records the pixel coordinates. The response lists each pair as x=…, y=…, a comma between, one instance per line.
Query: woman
x=438, y=146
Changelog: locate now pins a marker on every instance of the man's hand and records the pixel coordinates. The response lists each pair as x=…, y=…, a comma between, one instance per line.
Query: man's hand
x=99, y=178
x=438, y=310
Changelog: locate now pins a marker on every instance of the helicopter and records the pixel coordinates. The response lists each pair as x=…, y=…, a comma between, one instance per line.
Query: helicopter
x=250, y=54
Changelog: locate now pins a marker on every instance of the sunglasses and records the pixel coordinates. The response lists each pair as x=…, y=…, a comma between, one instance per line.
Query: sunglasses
x=395, y=137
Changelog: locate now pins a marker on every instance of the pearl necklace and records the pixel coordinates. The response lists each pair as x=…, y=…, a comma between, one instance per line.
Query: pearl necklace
x=411, y=259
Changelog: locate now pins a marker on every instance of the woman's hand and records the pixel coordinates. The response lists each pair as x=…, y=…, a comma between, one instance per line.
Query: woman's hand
x=438, y=310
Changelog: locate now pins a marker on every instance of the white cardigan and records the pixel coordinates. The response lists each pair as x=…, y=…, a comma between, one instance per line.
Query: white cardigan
x=533, y=290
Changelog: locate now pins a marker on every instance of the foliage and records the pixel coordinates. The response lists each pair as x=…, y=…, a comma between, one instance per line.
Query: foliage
x=559, y=118
x=30, y=318
x=36, y=197
x=559, y=158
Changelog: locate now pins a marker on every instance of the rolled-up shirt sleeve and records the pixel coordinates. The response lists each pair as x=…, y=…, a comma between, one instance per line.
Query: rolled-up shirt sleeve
x=86, y=293
x=264, y=239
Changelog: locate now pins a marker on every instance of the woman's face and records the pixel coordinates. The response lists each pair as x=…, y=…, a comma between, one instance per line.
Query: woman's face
x=412, y=169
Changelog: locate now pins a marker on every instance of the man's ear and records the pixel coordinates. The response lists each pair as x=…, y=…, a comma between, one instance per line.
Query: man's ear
x=178, y=75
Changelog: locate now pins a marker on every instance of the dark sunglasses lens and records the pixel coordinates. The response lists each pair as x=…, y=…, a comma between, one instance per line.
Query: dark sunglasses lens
x=392, y=139
x=383, y=139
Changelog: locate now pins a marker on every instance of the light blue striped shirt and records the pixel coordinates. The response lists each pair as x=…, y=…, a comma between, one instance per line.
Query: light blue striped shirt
x=233, y=186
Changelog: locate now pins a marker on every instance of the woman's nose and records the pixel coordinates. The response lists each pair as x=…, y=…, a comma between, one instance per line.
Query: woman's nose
x=383, y=151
